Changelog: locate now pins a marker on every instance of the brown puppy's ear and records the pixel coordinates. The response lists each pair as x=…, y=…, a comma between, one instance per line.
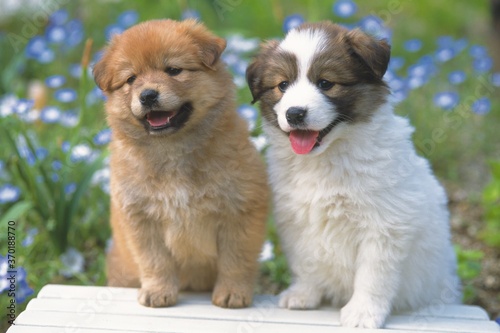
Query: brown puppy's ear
x=210, y=50
x=255, y=70
x=103, y=74
x=374, y=53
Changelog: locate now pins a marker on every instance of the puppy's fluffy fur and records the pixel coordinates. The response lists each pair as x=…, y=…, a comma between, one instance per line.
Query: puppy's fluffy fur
x=362, y=220
x=188, y=189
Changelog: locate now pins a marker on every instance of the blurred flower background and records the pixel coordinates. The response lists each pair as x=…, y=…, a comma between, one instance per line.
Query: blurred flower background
x=54, y=175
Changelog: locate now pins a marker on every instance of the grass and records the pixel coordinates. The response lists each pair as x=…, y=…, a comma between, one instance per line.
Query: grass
x=458, y=142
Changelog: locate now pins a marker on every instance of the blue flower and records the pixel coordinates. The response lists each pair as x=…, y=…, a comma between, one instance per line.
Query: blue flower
x=374, y=26
x=190, y=14
x=23, y=106
x=113, y=29
x=239, y=44
x=482, y=65
x=444, y=54
x=41, y=153
x=75, y=70
x=8, y=105
x=56, y=165
x=94, y=96
x=23, y=291
x=55, y=34
x=292, y=22
x=46, y=56
x=59, y=17
x=69, y=119
x=460, y=45
x=413, y=45
x=25, y=151
x=445, y=41
x=50, y=114
x=456, y=77
x=30, y=237
x=446, y=100
x=35, y=47
x=75, y=32
x=344, y=8
x=103, y=137
x=65, y=146
x=481, y=106
x=478, y=51
x=81, y=152
x=65, y=95
x=4, y=267
x=9, y=193
x=249, y=113
x=495, y=79
x=128, y=18
x=55, y=81
x=72, y=261
x=70, y=188
x=55, y=177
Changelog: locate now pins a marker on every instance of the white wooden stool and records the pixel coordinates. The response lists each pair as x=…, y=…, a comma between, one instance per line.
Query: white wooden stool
x=84, y=309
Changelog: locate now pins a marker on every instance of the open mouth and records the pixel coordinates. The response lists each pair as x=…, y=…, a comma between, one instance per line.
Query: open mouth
x=304, y=141
x=160, y=120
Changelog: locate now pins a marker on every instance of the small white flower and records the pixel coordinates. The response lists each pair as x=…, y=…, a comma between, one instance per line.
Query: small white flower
x=73, y=262
x=267, y=252
x=260, y=142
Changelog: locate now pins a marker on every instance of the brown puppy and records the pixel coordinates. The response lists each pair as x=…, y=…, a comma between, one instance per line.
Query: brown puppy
x=189, y=194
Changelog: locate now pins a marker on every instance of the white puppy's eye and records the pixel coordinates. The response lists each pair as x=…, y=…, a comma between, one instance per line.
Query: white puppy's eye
x=173, y=71
x=283, y=86
x=131, y=79
x=324, y=84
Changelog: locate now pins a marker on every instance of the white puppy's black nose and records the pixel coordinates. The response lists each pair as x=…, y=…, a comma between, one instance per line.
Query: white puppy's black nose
x=148, y=97
x=295, y=115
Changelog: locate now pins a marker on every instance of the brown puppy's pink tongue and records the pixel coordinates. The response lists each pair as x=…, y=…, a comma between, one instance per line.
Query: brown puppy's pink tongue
x=158, y=118
x=303, y=141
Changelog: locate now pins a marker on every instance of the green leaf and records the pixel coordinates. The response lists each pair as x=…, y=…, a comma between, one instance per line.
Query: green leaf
x=17, y=210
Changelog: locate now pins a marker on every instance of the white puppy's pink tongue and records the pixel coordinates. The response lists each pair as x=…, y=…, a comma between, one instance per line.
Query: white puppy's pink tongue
x=303, y=141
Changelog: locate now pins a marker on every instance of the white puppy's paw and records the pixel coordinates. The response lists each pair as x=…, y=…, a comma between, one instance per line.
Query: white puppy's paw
x=366, y=314
x=299, y=299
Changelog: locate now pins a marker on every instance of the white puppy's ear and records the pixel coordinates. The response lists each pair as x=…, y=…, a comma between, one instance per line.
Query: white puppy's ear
x=255, y=71
x=374, y=53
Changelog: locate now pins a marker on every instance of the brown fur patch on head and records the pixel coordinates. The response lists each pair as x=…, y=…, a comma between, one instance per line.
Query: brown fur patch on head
x=269, y=68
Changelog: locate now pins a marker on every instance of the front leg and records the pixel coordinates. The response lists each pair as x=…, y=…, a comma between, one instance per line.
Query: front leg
x=157, y=268
x=239, y=244
x=376, y=283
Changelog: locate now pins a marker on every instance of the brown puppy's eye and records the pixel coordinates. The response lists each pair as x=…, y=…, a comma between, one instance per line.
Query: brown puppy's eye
x=324, y=84
x=131, y=79
x=283, y=86
x=173, y=71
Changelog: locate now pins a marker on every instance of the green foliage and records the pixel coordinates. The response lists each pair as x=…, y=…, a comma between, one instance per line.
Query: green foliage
x=491, y=205
x=469, y=267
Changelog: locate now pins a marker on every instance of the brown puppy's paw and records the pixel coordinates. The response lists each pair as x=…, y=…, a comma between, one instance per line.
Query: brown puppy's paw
x=157, y=297
x=236, y=297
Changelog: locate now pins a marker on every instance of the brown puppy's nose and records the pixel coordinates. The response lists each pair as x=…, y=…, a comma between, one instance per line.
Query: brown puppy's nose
x=148, y=97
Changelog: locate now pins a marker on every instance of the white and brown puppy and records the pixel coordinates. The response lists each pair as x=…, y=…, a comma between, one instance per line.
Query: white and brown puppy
x=188, y=189
x=362, y=219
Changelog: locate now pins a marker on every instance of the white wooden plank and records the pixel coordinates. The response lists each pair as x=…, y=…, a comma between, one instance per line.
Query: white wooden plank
x=127, y=323
x=130, y=294
x=51, y=329
x=264, y=312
